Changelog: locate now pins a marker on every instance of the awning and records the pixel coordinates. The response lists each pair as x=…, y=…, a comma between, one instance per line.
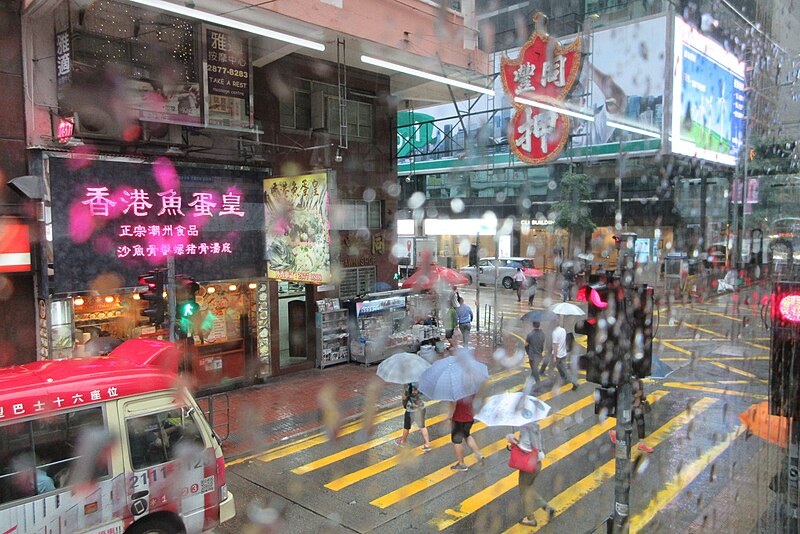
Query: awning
x=15, y=246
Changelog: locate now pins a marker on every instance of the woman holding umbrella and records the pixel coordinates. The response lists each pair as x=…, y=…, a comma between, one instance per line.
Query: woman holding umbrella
x=415, y=408
x=530, y=437
x=406, y=368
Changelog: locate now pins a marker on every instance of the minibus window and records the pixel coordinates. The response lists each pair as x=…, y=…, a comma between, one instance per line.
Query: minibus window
x=157, y=438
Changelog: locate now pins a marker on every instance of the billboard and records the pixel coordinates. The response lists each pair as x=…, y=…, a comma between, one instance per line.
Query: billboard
x=297, y=211
x=708, y=98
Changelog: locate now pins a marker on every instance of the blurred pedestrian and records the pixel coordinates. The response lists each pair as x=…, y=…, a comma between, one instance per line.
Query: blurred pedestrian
x=415, y=408
x=569, y=280
x=449, y=325
x=530, y=437
x=520, y=283
x=462, y=418
x=640, y=407
x=559, y=341
x=534, y=347
x=464, y=319
x=532, y=286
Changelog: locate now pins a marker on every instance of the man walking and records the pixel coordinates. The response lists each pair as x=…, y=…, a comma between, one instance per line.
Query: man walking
x=534, y=346
x=464, y=319
x=520, y=283
x=559, y=340
x=462, y=418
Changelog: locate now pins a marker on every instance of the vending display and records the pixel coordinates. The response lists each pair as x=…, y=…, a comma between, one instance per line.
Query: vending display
x=380, y=327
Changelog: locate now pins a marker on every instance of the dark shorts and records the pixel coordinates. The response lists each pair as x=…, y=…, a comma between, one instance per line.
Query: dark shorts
x=460, y=431
x=417, y=416
x=448, y=333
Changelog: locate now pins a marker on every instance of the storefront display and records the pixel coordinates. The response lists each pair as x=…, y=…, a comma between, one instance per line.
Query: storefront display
x=379, y=327
x=333, y=338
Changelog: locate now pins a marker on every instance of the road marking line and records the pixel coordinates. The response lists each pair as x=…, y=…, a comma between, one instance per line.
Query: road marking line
x=714, y=390
x=675, y=359
x=733, y=358
x=570, y=496
x=675, y=347
x=681, y=480
x=737, y=371
x=711, y=383
x=317, y=438
x=709, y=312
x=444, y=473
x=477, y=501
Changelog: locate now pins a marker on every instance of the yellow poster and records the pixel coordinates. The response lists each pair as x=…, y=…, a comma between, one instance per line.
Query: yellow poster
x=298, y=228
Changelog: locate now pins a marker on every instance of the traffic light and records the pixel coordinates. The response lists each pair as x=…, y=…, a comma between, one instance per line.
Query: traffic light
x=186, y=301
x=784, y=398
x=641, y=302
x=599, y=353
x=154, y=296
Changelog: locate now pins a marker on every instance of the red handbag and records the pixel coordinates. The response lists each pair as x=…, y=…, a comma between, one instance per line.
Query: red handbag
x=523, y=461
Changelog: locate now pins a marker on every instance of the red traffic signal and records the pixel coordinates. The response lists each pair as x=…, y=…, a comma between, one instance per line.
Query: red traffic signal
x=592, y=295
x=786, y=305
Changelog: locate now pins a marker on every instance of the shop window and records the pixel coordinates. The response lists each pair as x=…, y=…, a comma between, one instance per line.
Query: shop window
x=295, y=113
x=158, y=438
x=356, y=281
x=358, y=214
x=39, y=456
x=359, y=118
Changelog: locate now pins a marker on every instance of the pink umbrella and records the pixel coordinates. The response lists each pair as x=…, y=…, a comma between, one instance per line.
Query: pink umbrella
x=532, y=271
x=430, y=275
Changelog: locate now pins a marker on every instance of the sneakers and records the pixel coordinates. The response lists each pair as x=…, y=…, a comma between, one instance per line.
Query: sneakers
x=482, y=460
x=426, y=448
x=400, y=441
x=551, y=512
x=459, y=467
x=643, y=447
x=613, y=435
x=574, y=386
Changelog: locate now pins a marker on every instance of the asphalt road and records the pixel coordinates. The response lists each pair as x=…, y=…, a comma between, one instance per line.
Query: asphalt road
x=702, y=465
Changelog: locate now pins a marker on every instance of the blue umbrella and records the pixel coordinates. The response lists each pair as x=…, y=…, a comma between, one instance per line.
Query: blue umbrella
x=454, y=377
x=515, y=264
x=539, y=316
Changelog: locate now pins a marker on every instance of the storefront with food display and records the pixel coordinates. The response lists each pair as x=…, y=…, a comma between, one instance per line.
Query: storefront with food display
x=116, y=219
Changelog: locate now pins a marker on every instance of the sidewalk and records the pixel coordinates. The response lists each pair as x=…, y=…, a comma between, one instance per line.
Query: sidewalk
x=265, y=414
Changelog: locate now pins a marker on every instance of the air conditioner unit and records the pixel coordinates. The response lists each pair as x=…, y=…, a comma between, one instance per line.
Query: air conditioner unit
x=317, y=110
x=96, y=123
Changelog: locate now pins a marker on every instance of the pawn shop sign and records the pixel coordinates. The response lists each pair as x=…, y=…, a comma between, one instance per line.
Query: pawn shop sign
x=543, y=72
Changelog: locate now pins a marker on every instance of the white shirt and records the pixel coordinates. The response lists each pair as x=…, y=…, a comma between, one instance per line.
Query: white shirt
x=560, y=340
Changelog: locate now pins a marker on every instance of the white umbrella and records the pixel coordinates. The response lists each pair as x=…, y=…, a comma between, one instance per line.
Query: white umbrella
x=454, y=377
x=402, y=368
x=565, y=308
x=512, y=409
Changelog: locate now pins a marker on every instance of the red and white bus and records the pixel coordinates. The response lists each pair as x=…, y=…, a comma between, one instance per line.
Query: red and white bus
x=107, y=445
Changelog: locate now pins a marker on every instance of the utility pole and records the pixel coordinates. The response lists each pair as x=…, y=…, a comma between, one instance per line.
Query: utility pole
x=171, y=301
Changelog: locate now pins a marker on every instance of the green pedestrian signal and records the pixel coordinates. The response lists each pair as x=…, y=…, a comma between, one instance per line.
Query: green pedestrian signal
x=187, y=306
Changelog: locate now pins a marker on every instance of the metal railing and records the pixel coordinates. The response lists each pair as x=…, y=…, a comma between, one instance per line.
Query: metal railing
x=217, y=409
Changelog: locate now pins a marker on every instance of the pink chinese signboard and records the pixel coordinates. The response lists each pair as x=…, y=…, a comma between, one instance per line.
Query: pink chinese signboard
x=129, y=217
x=544, y=72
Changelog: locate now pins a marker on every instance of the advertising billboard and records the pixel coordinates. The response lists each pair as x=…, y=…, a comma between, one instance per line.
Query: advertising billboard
x=708, y=98
x=126, y=217
x=297, y=211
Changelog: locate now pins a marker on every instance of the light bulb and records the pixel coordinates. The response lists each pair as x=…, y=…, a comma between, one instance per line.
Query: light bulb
x=232, y=287
x=136, y=296
x=109, y=299
x=78, y=301
x=211, y=289
x=252, y=285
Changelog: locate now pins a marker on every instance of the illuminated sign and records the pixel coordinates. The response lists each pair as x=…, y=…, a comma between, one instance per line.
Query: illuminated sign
x=298, y=228
x=708, y=113
x=127, y=217
x=64, y=130
x=544, y=74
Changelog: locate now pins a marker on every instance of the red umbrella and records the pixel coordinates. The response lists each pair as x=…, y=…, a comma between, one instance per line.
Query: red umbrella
x=773, y=428
x=430, y=275
x=532, y=271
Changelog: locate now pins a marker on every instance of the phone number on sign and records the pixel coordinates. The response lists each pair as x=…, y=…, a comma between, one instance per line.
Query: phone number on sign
x=230, y=72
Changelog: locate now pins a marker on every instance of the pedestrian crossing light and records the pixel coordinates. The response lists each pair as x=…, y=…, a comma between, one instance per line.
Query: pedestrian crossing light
x=154, y=296
x=595, y=327
x=784, y=384
x=187, y=307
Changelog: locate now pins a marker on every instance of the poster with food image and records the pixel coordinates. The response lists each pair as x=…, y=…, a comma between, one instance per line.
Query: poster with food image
x=298, y=228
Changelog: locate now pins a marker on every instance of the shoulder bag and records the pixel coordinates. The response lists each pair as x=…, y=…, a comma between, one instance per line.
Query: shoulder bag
x=523, y=461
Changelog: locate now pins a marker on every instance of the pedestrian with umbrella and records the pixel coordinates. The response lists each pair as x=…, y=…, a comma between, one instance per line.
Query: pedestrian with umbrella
x=406, y=368
x=534, y=347
x=457, y=379
x=523, y=411
x=559, y=342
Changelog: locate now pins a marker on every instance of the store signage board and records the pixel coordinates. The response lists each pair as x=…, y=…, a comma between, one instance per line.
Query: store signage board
x=128, y=217
x=228, y=78
x=370, y=307
x=297, y=213
x=708, y=103
x=543, y=72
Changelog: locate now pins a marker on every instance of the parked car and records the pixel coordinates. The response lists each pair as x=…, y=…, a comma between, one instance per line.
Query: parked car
x=506, y=268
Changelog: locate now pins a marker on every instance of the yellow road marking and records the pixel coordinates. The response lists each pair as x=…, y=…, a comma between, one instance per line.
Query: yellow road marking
x=711, y=383
x=709, y=312
x=570, y=496
x=714, y=390
x=444, y=473
x=317, y=438
x=477, y=501
x=734, y=358
x=675, y=359
x=685, y=477
x=675, y=347
x=737, y=371
x=701, y=329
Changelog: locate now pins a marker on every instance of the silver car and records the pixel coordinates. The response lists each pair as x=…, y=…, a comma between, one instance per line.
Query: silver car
x=506, y=269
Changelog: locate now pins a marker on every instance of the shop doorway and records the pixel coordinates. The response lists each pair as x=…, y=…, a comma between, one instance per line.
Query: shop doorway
x=293, y=325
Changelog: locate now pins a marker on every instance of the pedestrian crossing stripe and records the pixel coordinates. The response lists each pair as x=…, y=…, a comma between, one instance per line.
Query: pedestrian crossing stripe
x=384, y=465
x=731, y=369
x=477, y=501
x=714, y=390
x=444, y=473
x=318, y=438
x=570, y=496
x=681, y=480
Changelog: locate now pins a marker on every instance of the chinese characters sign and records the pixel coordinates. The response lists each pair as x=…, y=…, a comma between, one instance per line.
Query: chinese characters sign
x=125, y=217
x=298, y=228
x=63, y=60
x=227, y=78
x=543, y=72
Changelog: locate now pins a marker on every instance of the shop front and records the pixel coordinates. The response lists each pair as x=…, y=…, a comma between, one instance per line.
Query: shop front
x=117, y=219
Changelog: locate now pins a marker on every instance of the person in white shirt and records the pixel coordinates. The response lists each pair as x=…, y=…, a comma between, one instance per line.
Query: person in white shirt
x=559, y=340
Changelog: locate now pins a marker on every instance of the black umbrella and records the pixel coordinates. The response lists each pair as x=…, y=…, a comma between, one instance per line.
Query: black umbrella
x=539, y=316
